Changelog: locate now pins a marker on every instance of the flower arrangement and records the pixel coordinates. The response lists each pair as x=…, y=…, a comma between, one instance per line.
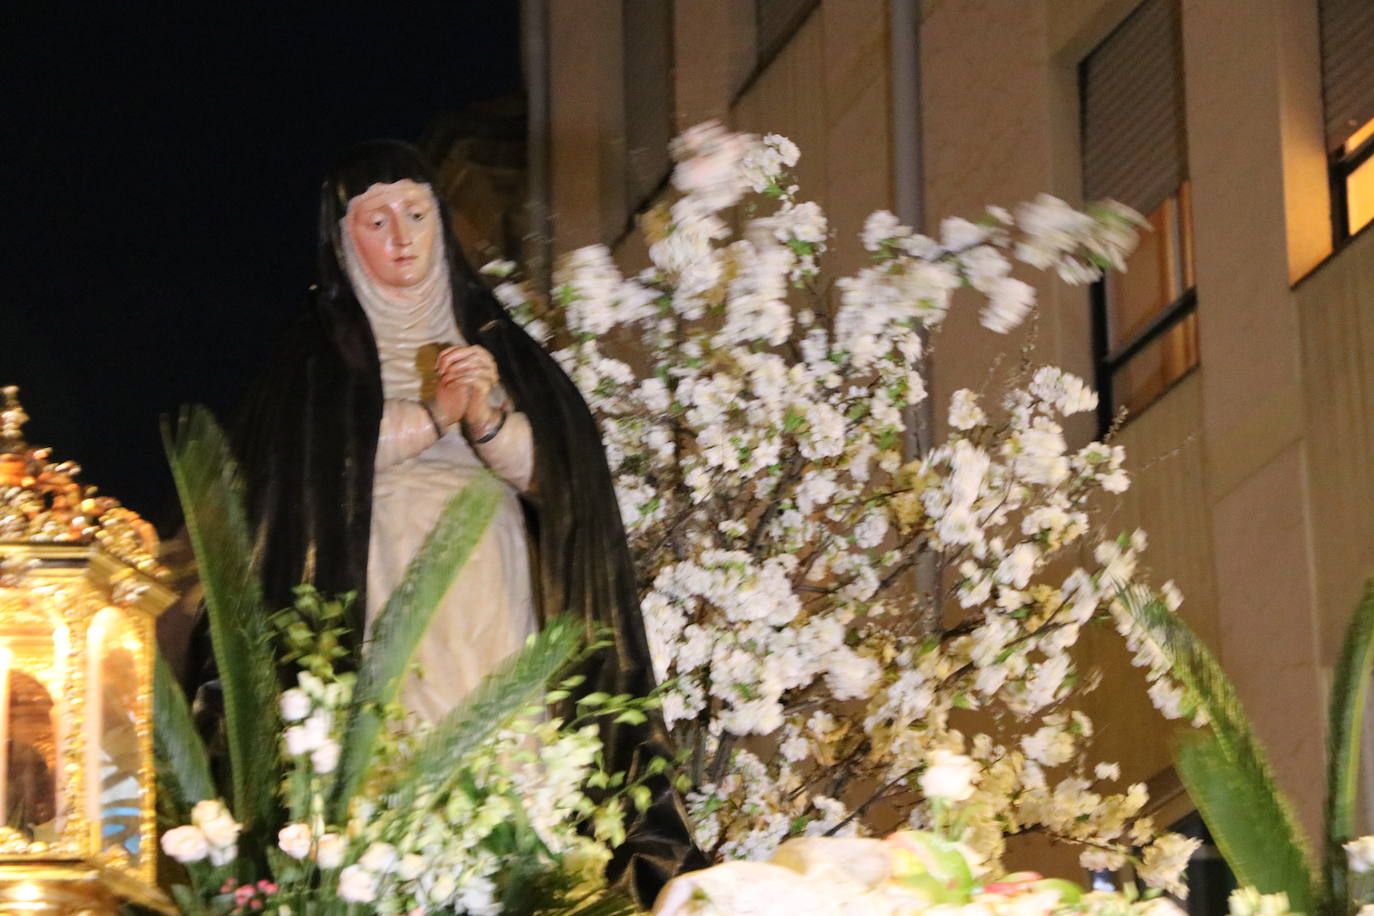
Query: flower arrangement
x=337, y=801
x=909, y=872
x=826, y=608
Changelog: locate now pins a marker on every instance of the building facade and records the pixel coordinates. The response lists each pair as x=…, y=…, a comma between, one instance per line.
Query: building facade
x=1242, y=340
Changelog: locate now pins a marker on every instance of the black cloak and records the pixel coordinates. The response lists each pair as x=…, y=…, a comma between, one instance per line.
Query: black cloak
x=307, y=439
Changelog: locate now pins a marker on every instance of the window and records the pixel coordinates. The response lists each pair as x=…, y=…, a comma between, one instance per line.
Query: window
x=1145, y=334
x=773, y=24
x=649, y=97
x=1347, y=35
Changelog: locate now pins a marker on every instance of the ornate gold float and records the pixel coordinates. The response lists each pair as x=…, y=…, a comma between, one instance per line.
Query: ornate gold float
x=80, y=591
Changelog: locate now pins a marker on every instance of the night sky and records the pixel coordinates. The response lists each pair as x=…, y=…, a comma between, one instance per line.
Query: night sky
x=160, y=185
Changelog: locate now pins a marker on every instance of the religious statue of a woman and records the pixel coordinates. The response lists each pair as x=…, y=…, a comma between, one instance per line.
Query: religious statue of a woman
x=402, y=380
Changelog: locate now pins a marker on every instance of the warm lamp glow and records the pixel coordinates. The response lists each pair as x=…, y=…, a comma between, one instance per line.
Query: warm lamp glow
x=1359, y=181
x=28, y=892
x=79, y=596
x=1359, y=195
x=1358, y=137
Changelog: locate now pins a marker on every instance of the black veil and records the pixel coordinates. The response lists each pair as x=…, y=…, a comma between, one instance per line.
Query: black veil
x=307, y=441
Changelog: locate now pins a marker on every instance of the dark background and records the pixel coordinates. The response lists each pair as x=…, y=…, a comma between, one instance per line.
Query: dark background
x=159, y=194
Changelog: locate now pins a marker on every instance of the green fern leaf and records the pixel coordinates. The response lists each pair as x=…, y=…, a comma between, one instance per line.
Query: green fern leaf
x=607, y=903
x=211, y=498
x=1245, y=819
x=183, y=767
x=1234, y=744
x=403, y=620
x=1349, y=693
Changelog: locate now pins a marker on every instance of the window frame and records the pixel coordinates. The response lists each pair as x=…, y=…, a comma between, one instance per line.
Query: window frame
x=1340, y=166
x=1106, y=362
x=763, y=57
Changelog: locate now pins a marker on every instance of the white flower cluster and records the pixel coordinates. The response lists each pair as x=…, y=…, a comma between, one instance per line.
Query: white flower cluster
x=1246, y=901
x=310, y=709
x=212, y=834
x=436, y=854
x=757, y=440
x=414, y=845
x=1359, y=855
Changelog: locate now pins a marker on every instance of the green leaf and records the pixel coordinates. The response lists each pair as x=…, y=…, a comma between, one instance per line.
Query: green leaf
x=608, y=902
x=187, y=901
x=1349, y=693
x=518, y=683
x=211, y=496
x=402, y=621
x=183, y=767
x=1246, y=820
x=1262, y=832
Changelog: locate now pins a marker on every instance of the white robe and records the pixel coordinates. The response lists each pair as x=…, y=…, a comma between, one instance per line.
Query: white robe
x=489, y=611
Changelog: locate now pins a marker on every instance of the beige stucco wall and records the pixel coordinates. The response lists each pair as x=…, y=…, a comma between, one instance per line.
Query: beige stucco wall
x=1336, y=314
x=1253, y=475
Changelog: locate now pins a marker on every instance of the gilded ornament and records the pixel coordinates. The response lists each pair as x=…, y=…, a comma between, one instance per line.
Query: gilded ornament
x=80, y=590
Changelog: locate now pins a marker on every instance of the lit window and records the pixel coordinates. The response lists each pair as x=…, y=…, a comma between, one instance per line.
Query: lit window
x=1353, y=169
x=1149, y=311
x=1145, y=329
x=1347, y=34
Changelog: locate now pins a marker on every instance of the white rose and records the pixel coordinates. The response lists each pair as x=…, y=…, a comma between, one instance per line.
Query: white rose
x=294, y=840
x=329, y=852
x=325, y=757
x=222, y=832
x=949, y=776
x=185, y=844
x=208, y=810
x=442, y=889
x=357, y=885
x=295, y=705
x=223, y=855
x=379, y=857
x=1360, y=852
x=306, y=737
x=411, y=866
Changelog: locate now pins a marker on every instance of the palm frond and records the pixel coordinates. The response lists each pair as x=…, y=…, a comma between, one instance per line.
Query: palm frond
x=606, y=903
x=1232, y=760
x=183, y=767
x=212, y=500
x=1349, y=693
x=1242, y=815
x=404, y=619
x=520, y=682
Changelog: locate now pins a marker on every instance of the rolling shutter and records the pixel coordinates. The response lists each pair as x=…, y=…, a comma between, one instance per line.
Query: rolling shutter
x=1134, y=144
x=1347, y=30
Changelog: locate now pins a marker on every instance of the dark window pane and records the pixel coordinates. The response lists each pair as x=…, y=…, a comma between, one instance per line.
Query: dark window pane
x=776, y=21
x=649, y=104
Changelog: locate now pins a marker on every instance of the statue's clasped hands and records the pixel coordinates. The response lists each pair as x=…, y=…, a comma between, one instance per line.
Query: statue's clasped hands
x=467, y=377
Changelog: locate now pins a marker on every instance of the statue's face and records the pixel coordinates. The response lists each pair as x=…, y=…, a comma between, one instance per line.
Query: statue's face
x=393, y=227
